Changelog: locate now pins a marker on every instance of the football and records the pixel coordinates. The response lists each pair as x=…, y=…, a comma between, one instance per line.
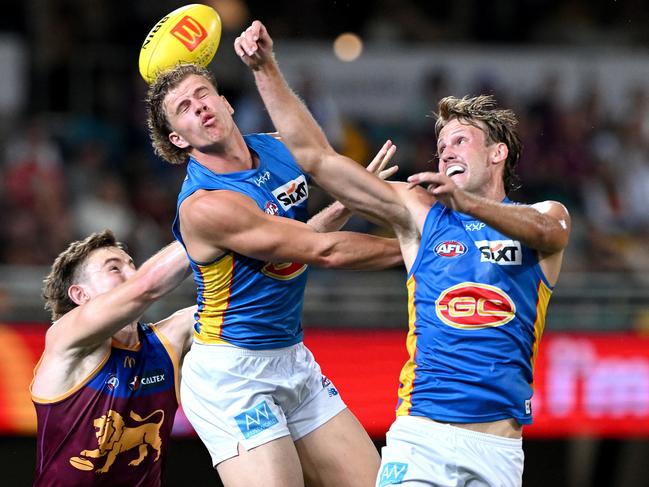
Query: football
x=190, y=34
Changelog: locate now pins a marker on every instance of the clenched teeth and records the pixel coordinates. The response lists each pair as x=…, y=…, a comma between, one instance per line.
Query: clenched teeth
x=452, y=170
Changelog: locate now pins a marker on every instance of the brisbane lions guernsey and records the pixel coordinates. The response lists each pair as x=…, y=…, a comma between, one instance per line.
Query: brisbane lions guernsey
x=244, y=301
x=476, y=302
x=112, y=429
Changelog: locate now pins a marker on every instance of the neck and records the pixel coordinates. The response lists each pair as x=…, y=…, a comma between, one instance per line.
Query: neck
x=127, y=336
x=231, y=156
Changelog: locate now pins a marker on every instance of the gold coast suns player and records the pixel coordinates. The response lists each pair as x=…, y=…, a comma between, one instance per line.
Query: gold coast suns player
x=251, y=389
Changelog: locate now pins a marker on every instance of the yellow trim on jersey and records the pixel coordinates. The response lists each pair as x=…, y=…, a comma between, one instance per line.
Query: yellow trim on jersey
x=407, y=376
x=172, y=355
x=544, y=294
x=217, y=287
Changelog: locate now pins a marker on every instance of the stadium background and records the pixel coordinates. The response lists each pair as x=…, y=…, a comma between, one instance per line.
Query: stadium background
x=75, y=158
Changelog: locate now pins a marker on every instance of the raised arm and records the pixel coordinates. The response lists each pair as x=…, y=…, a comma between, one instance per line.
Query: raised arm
x=89, y=324
x=229, y=220
x=543, y=226
x=337, y=174
x=334, y=216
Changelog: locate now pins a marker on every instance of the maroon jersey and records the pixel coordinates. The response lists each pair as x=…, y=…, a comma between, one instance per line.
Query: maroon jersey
x=113, y=428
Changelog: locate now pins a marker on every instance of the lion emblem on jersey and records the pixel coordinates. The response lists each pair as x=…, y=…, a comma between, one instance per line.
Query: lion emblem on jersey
x=114, y=437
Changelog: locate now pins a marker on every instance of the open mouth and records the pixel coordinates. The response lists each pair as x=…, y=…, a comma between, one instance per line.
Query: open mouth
x=454, y=169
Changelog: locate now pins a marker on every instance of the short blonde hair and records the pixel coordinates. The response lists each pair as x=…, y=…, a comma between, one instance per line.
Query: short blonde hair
x=157, y=122
x=500, y=126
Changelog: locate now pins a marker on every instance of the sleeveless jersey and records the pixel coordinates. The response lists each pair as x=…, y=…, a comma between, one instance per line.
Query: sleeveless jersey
x=476, y=302
x=111, y=430
x=244, y=301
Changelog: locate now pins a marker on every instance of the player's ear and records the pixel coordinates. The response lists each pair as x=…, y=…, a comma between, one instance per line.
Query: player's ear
x=78, y=294
x=499, y=152
x=178, y=140
x=227, y=105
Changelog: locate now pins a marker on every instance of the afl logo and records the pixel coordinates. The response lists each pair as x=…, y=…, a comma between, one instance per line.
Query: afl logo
x=474, y=306
x=271, y=208
x=450, y=248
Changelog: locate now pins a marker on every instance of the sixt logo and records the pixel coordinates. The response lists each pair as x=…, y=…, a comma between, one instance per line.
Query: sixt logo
x=501, y=252
x=474, y=306
x=255, y=420
x=262, y=178
x=292, y=193
x=451, y=248
x=392, y=473
x=189, y=32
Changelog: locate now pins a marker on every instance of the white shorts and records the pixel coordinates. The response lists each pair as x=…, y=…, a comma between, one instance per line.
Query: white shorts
x=422, y=453
x=232, y=395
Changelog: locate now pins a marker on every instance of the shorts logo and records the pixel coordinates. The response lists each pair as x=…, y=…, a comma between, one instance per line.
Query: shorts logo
x=501, y=252
x=326, y=384
x=255, y=420
x=392, y=473
x=474, y=306
x=189, y=32
x=292, y=193
x=450, y=248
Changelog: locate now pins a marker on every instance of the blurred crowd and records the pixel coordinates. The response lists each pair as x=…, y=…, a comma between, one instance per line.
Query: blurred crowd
x=67, y=169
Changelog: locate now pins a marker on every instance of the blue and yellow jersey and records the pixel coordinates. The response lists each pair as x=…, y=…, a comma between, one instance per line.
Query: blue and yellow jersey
x=476, y=302
x=113, y=428
x=244, y=301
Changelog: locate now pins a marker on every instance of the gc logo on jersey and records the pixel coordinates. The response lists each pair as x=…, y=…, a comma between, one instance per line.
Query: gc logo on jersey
x=292, y=193
x=501, y=252
x=474, y=306
x=450, y=248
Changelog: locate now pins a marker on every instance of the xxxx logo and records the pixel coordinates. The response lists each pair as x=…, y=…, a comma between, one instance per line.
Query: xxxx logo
x=474, y=306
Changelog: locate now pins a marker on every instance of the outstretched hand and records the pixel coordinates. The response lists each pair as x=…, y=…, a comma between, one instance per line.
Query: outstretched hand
x=381, y=159
x=254, y=46
x=442, y=187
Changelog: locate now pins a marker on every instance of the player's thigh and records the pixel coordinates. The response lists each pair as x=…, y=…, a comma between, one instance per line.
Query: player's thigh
x=339, y=453
x=273, y=464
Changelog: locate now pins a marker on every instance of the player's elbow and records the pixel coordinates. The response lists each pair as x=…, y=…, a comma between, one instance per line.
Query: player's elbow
x=146, y=288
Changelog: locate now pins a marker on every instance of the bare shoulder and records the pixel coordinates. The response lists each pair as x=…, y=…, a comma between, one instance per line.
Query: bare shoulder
x=551, y=207
x=417, y=201
x=213, y=208
x=178, y=329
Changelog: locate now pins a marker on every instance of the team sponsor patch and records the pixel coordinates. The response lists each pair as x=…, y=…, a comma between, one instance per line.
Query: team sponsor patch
x=255, y=420
x=501, y=252
x=392, y=473
x=292, y=193
x=474, y=226
x=474, y=306
x=148, y=380
x=450, y=248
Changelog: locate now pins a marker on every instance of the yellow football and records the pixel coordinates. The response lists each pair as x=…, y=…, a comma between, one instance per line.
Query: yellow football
x=190, y=34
